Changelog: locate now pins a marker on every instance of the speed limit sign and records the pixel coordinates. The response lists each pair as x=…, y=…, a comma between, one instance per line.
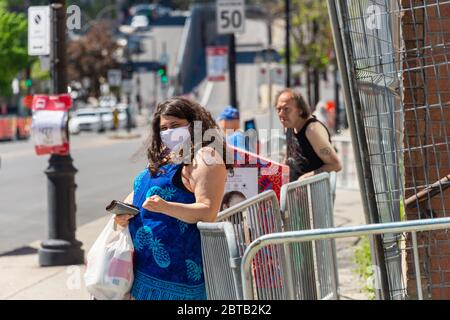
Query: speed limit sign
x=230, y=16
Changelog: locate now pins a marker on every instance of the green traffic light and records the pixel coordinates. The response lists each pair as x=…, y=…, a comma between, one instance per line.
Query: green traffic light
x=164, y=79
x=28, y=82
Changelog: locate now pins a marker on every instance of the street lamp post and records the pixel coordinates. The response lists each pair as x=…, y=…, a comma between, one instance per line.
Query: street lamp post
x=232, y=70
x=288, y=43
x=61, y=248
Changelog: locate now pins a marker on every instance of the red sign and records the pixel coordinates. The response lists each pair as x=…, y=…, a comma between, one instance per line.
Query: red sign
x=49, y=127
x=61, y=102
x=217, y=63
x=269, y=174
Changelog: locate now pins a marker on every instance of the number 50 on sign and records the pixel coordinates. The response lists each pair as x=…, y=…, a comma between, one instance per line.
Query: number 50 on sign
x=230, y=16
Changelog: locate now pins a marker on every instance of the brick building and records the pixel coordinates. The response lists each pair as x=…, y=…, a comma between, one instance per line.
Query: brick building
x=426, y=79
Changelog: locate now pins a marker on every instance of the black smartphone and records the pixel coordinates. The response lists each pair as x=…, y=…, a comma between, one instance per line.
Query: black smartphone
x=119, y=207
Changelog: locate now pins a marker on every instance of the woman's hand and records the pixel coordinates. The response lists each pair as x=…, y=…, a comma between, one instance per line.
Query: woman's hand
x=156, y=204
x=122, y=219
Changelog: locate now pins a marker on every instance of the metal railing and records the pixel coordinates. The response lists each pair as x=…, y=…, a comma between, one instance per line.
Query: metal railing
x=279, y=272
x=308, y=204
x=251, y=219
x=284, y=238
x=222, y=273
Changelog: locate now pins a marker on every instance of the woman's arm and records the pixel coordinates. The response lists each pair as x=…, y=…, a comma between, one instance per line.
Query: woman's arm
x=208, y=176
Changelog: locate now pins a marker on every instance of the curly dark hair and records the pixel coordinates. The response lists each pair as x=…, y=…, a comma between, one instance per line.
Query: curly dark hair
x=180, y=107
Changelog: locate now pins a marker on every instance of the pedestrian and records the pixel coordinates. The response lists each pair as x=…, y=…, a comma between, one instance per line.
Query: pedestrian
x=229, y=122
x=115, y=118
x=173, y=196
x=128, y=118
x=309, y=149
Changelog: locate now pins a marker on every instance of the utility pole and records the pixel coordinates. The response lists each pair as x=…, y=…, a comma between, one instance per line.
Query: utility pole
x=232, y=70
x=61, y=248
x=337, y=125
x=287, y=8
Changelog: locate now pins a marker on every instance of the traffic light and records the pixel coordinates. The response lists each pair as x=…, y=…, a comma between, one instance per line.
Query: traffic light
x=28, y=83
x=162, y=72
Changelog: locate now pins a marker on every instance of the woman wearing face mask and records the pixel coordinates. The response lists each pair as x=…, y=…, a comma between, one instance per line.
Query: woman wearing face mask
x=173, y=197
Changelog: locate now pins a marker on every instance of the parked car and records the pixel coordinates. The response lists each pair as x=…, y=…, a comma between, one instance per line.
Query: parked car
x=74, y=124
x=106, y=119
x=86, y=120
x=151, y=11
x=140, y=22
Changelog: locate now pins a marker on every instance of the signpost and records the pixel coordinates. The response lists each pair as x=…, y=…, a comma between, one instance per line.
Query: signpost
x=217, y=63
x=39, y=31
x=230, y=17
x=48, y=128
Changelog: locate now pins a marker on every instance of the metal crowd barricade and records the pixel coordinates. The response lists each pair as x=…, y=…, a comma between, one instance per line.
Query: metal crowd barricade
x=224, y=242
x=221, y=261
x=305, y=205
x=251, y=219
x=284, y=238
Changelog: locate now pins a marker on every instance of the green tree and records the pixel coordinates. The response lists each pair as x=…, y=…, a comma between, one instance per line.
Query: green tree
x=313, y=40
x=13, y=48
x=92, y=56
x=311, y=34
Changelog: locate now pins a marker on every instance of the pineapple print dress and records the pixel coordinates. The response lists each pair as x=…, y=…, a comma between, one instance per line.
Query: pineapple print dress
x=167, y=256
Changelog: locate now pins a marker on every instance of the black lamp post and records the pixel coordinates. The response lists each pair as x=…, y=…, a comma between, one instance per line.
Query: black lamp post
x=61, y=248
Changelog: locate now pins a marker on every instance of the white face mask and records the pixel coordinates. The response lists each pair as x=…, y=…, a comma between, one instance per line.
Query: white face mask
x=174, y=138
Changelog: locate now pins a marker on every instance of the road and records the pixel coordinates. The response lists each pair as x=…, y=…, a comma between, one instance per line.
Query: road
x=105, y=172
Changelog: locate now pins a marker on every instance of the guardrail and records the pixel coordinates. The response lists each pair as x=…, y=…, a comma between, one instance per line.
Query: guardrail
x=283, y=238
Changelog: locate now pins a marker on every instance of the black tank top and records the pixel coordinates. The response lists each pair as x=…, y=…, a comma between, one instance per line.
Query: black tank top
x=301, y=157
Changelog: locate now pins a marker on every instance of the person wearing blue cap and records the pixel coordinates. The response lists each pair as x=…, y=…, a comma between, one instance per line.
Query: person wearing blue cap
x=229, y=122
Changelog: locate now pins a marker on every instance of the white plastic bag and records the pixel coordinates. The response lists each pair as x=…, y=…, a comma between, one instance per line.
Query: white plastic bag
x=109, y=269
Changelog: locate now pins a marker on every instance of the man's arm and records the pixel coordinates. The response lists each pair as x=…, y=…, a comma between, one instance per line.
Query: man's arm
x=317, y=135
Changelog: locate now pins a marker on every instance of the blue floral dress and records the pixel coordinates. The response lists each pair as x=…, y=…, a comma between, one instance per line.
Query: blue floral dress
x=167, y=256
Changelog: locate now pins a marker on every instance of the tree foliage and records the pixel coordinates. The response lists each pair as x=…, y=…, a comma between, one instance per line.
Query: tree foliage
x=92, y=56
x=311, y=32
x=13, y=48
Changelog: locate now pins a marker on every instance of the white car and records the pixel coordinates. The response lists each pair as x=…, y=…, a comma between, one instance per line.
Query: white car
x=140, y=22
x=87, y=120
x=74, y=125
x=106, y=119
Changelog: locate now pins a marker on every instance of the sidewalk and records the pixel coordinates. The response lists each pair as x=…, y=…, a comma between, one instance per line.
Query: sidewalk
x=22, y=278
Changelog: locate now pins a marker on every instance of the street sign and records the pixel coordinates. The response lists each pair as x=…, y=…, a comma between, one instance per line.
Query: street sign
x=39, y=30
x=217, y=63
x=49, y=124
x=230, y=16
x=115, y=77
